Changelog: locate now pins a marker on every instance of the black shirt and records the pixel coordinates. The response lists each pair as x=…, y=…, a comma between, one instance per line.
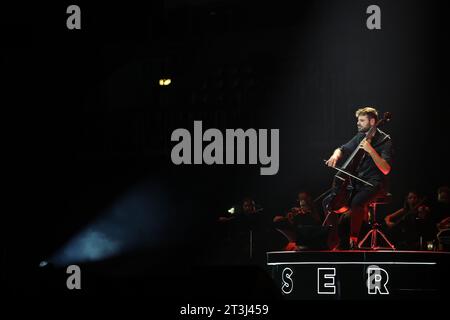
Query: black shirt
x=367, y=169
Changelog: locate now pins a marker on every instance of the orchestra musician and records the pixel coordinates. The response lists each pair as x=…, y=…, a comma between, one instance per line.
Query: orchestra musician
x=242, y=233
x=441, y=217
x=303, y=214
x=409, y=223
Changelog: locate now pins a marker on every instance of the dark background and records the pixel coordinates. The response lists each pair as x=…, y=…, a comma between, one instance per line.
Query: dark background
x=85, y=119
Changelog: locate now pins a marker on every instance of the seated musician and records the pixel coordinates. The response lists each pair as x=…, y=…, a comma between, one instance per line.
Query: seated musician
x=411, y=222
x=372, y=170
x=303, y=214
x=242, y=233
x=442, y=217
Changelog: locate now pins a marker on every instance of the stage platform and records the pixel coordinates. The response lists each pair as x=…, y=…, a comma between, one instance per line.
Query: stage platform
x=360, y=274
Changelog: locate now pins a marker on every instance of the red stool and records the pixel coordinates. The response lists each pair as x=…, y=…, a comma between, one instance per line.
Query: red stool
x=375, y=231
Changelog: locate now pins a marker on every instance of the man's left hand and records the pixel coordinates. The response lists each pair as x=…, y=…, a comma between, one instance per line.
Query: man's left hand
x=366, y=146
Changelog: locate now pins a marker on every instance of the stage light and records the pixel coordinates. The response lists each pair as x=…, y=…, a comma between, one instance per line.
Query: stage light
x=231, y=210
x=165, y=82
x=43, y=264
x=136, y=220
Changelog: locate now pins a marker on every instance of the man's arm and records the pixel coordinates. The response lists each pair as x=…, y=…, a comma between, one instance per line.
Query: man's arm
x=444, y=224
x=381, y=163
x=346, y=148
x=395, y=216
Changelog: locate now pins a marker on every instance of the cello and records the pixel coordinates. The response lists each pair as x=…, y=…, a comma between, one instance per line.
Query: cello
x=343, y=184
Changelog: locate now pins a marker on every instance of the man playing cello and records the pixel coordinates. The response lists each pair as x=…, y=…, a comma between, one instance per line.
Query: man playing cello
x=374, y=168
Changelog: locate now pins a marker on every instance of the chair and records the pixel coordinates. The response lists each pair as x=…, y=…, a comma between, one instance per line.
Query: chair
x=375, y=231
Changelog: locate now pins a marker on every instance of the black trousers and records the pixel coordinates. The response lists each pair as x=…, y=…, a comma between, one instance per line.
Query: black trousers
x=349, y=223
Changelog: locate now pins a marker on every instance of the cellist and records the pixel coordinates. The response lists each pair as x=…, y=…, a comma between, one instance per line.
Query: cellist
x=374, y=168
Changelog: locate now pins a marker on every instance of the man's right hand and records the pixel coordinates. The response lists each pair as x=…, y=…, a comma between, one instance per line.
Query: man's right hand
x=332, y=161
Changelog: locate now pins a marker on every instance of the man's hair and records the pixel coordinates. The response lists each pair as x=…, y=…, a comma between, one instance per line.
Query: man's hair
x=309, y=200
x=370, y=112
x=405, y=203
